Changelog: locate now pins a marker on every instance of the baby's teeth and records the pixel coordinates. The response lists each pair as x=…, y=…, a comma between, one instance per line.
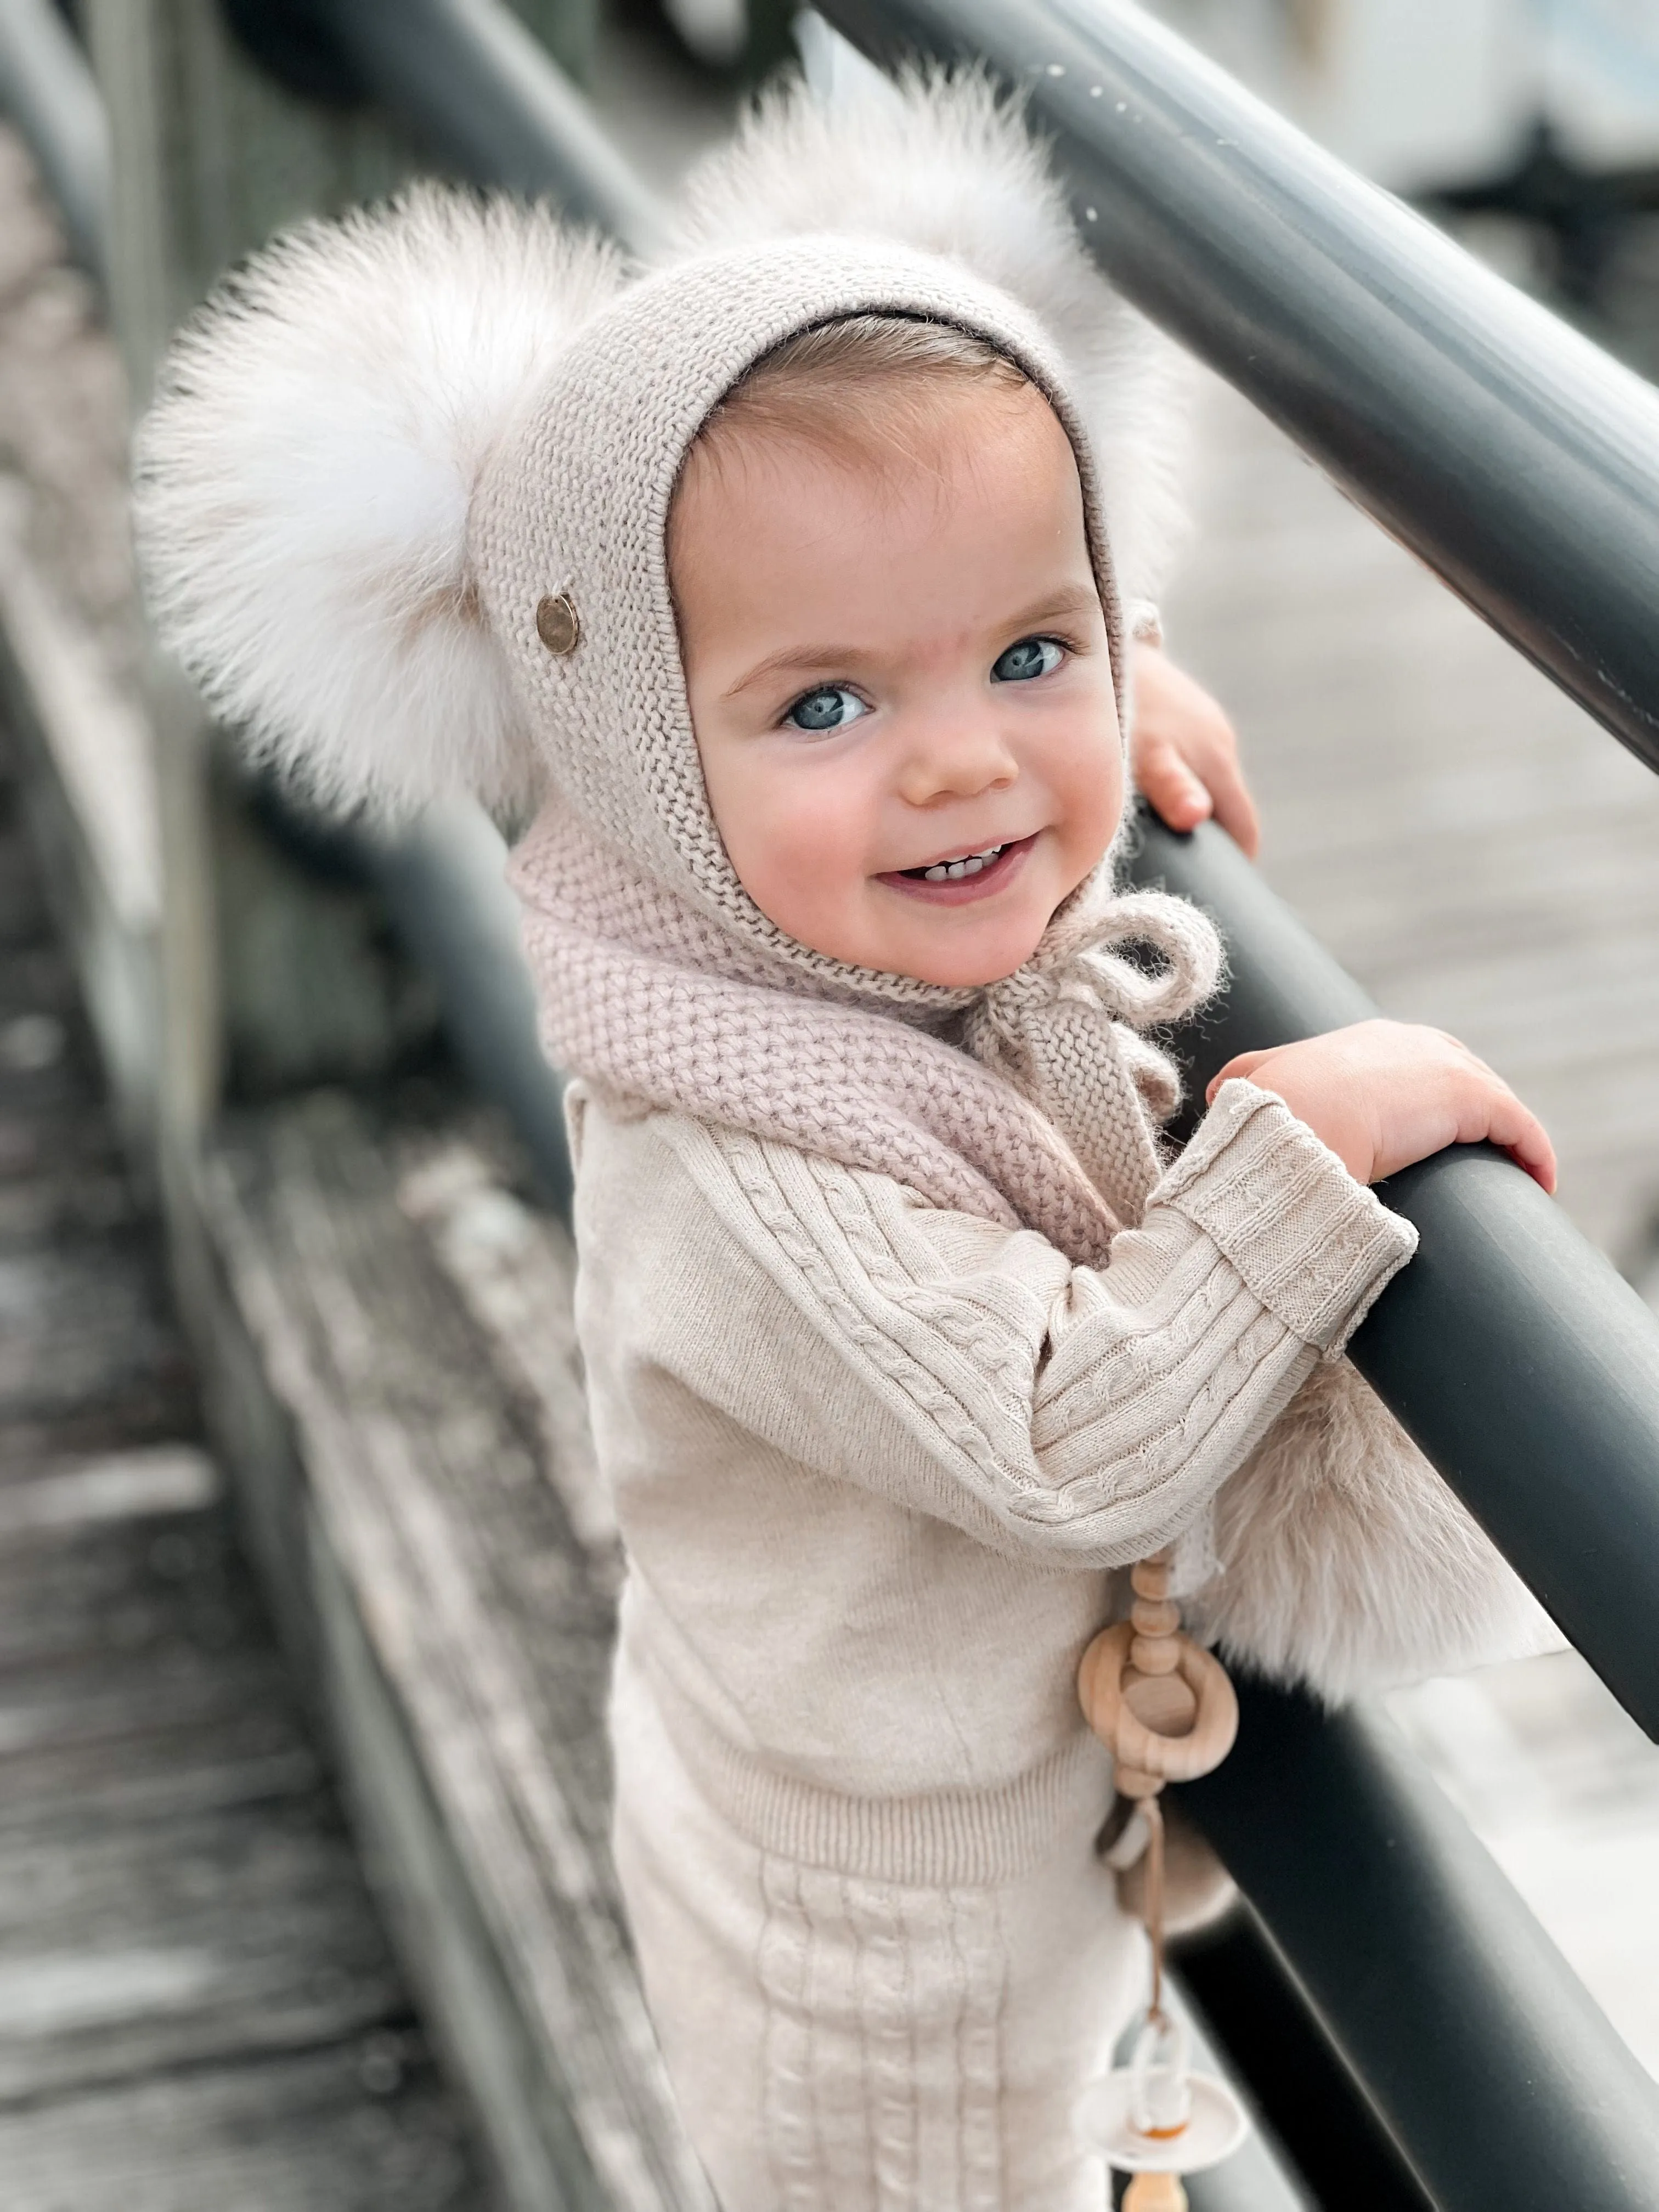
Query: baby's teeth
x=953, y=871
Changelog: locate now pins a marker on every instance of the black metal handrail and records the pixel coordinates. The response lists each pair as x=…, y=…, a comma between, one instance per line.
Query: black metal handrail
x=1518, y=459
x=1526, y=1369
x=1482, y=2053
x=467, y=79
x=1386, y=1817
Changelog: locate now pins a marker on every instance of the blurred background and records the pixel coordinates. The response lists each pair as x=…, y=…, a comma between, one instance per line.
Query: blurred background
x=1468, y=843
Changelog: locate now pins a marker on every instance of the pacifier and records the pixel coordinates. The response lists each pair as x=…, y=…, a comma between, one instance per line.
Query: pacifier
x=1155, y=2118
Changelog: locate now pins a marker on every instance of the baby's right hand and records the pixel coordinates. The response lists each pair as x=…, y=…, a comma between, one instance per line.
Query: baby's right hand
x=1384, y=1094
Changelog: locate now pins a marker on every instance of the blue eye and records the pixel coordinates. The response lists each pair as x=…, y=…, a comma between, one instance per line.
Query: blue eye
x=831, y=707
x=1032, y=656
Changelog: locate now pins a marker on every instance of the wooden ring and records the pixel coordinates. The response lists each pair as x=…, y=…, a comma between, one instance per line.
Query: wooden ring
x=1172, y=1758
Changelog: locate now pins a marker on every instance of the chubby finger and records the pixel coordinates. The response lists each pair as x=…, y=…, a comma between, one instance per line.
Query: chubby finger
x=1170, y=785
x=1241, y=1063
x=1516, y=1130
x=1235, y=809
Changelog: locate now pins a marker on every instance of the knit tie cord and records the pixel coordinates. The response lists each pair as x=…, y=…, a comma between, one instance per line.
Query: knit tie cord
x=1033, y=1103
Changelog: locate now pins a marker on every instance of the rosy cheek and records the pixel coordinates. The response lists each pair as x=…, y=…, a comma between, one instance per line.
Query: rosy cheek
x=789, y=850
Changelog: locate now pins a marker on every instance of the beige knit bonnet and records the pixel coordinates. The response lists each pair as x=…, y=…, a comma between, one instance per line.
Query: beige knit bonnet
x=385, y=441
x=575, y=507
x=390, y=446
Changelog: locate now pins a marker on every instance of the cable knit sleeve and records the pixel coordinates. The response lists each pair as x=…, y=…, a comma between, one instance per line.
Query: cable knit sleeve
x=1086, y=1413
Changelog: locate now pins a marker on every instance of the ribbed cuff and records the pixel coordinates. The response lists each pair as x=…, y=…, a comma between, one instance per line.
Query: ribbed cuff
x=1314, y=1245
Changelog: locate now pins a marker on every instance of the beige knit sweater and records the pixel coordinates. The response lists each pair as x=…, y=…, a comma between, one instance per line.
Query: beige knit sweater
x=873, y=1461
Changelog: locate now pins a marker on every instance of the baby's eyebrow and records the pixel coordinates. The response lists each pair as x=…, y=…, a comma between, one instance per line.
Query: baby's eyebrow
x=797, y=657
x=1074, y=599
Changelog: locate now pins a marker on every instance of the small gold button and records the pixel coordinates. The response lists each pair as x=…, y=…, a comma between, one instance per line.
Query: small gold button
x=557, y=624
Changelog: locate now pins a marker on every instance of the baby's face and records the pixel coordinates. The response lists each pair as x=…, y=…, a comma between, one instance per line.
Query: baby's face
x=902, y=687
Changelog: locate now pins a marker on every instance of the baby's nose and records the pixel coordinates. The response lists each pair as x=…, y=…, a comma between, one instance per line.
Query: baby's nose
x=958, y=756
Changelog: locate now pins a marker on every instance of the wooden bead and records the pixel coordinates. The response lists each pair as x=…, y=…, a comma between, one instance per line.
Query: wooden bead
x=1155, y=1655
x=1165, y=1702
x=1130, y=1782
x=1156, y=1616
x=1150, y=1578
x=1154, y=2192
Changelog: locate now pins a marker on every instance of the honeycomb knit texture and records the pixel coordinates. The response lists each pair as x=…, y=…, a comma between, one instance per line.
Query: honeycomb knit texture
x=645, y=994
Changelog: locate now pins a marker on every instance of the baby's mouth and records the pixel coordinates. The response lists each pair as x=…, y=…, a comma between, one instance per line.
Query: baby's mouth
x=964, y=875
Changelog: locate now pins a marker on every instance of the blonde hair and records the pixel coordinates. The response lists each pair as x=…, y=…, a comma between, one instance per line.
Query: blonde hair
x=864, y=387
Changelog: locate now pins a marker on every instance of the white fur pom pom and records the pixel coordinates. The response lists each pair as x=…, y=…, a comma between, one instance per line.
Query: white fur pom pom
x=1348, y=1567
x=303, y=481
x=948, y=165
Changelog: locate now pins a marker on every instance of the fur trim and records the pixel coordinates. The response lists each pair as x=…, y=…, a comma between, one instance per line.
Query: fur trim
x=1347, y=1565
x=947, y=164
x=304, y=479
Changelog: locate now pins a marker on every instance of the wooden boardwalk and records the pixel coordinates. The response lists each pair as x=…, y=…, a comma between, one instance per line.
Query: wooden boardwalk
x=197, y=2010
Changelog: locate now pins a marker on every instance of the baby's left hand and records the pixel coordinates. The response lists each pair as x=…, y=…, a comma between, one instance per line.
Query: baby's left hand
x=1184, y=753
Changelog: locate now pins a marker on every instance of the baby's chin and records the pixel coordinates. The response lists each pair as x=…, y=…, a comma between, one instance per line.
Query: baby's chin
x=946, y=953
x=962, y=974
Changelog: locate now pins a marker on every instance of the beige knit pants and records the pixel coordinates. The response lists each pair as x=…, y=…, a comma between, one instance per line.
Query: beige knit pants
x=839, y=2044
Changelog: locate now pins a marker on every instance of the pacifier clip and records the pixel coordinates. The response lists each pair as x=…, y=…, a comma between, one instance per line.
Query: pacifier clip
x=1165, y=1710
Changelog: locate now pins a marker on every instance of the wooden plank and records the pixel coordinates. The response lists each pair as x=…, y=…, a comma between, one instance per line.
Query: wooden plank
x=63, y=1204
x=137, y=1679
x=81, y=1324
x=513, y=1267
x=220, y=1936
x=444, y=1570
x=195, y=1991
x=301, y=2134
x=123, y=1487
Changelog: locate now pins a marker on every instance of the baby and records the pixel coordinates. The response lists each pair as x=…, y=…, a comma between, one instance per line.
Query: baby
x=796, y=585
